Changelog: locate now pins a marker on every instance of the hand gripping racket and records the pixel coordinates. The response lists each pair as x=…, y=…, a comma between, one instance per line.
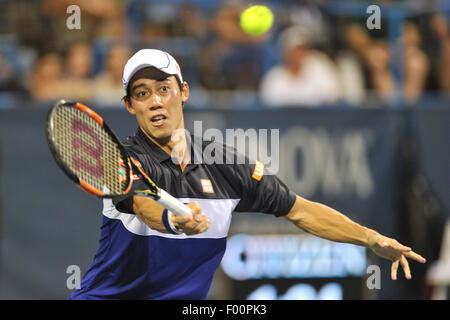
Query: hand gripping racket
x=91, y=155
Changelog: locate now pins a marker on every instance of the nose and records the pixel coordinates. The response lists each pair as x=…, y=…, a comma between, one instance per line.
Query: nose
x=155, y=102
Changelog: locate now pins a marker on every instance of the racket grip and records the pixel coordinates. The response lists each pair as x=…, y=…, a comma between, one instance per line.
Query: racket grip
x=172, y=204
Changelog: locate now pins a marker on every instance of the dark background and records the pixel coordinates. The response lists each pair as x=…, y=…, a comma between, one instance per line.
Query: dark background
x=49, y=224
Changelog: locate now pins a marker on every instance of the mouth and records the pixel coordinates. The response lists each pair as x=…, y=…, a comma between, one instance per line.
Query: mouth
x=158, y=120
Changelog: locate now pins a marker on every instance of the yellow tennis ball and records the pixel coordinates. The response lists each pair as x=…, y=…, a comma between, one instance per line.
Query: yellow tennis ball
x=256, y=20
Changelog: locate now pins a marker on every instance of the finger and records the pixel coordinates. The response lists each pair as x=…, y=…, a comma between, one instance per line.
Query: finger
x=415, y=256
x=180, y=219
x=184, y=223
x=200, y=217
x=195, y=222
x=394, y=269
x=405, y=266
x=394, y=244
x=402, y=248
x=203, y=226
x=195, y=207
x=196, y=228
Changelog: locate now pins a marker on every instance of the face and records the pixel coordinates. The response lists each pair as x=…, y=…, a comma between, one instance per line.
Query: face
x=156, y=101
x=79, y=61
x=117, y=58
x=293, y=55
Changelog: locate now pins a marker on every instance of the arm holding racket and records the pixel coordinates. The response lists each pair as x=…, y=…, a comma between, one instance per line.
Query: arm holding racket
x=173, y=205
x=150, y=212
x=91, y=155
x=186, y=219
x=160, y=195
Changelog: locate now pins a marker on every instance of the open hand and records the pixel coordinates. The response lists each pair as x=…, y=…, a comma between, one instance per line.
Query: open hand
x=396, y=252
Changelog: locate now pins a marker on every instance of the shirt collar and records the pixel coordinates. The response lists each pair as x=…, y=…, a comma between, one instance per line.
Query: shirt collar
x=162, y=155
x=151, y=147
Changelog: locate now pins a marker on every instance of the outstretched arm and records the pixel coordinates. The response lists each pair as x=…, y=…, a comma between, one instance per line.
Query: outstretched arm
x=330, y=224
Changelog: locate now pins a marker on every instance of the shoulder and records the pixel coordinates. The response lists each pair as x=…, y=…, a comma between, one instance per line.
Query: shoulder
x=136, y=149
x=217, y=152
x=275, y=73
x=318, y=61
x=132, y=145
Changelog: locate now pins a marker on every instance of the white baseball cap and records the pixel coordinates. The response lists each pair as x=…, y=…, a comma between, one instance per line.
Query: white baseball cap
x=150, y=58
x=295, y=36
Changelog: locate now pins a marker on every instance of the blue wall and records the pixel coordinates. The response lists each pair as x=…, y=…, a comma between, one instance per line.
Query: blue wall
x=361, y=162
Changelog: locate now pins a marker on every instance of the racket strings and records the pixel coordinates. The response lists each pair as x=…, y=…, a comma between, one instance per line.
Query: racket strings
x=88, y=150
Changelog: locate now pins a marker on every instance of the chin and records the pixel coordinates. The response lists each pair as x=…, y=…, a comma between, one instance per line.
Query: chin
x=162, y=136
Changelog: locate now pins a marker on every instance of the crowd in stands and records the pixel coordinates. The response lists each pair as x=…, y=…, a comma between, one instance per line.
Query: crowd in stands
x=309, y=58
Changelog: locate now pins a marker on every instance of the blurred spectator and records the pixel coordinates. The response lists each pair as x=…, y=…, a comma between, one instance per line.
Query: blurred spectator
x=55, y=78
x=351, y=78
x=99, y=19
x=45, y=83
x=232, y=59
x=350, y=65
x=306, y=77
x=416, y=64
x=378, y=57
x=190, y=21
x=108, y=85
x=9, y=79
x=79, y=61
x=158, y=19
x=77, y=79
x=374, y=57
x=439, y=24
x=311, y=15
x=218, y=55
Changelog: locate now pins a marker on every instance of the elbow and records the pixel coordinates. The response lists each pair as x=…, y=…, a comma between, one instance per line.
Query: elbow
x=299, y=210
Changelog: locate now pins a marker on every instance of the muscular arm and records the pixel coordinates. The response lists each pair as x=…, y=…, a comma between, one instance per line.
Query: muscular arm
x=328, y=223
x=150, y=213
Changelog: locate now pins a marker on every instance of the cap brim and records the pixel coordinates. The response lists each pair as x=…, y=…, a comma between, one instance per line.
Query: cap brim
x=140, y=67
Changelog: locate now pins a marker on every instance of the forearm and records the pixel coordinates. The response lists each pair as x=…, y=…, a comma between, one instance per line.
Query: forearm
x=328, y=223
x=149, y=212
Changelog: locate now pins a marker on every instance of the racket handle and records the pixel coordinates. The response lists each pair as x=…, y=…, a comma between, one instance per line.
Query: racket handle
x=174, y=205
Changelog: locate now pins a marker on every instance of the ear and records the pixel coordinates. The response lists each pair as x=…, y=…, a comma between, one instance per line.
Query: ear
x=185, y=92
x=129, y=106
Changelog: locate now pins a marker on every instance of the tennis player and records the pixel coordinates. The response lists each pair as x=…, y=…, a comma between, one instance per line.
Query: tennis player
x=145, y=252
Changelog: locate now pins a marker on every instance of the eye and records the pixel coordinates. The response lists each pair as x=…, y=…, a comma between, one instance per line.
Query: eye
x=164, y=88
x=141, y=94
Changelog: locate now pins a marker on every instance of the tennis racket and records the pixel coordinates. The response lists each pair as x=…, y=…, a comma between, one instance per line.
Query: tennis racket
x=91, y=155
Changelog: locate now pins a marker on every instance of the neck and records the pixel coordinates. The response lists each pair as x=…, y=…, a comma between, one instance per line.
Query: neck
x=294, y=68
x=175, y=145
